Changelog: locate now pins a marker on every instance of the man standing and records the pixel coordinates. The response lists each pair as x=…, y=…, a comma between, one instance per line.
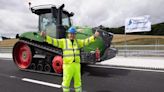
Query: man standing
x=71, y=57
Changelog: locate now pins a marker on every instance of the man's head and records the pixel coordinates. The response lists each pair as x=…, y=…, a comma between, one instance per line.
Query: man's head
x=72, y=33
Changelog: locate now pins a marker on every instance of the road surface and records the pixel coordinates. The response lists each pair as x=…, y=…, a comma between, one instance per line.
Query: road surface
x=94, y=79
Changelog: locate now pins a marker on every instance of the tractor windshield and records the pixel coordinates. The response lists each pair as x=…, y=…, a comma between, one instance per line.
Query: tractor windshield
x=48, y=23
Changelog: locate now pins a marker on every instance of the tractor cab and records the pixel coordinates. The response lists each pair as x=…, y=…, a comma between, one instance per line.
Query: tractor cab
x=54, y=21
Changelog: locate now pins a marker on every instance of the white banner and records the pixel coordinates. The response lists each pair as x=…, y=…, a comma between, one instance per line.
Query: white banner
x=138, y=24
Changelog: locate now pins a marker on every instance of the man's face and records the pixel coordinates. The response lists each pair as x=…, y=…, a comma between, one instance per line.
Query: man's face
x=71, y=36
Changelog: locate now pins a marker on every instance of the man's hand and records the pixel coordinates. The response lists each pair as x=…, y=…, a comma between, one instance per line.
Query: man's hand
x=43, y=34
x=96, y=34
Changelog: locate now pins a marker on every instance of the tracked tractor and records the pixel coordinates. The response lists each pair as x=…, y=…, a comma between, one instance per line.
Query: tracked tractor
x=32, y=53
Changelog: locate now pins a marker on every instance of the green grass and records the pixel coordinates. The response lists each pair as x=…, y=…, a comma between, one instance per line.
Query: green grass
x=138, y=40
x=8, y=42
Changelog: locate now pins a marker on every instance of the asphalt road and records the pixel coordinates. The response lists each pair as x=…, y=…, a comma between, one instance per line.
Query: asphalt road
x=94, y=80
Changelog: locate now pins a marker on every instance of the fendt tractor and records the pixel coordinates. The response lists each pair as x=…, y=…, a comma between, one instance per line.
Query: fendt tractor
x=32, y=53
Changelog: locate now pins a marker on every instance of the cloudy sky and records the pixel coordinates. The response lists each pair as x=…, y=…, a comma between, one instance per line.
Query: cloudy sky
x=15, y=16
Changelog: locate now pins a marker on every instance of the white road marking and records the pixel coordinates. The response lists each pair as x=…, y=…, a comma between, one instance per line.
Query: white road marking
x=12, y=76
x=42, y=83
x=45, y=83
x=126, y=68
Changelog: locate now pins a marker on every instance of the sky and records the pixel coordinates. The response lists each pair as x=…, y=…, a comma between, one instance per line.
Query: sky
x=15, y=16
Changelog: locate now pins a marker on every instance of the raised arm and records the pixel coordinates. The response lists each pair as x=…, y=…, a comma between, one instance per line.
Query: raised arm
x=55, y=42
x=88, y=40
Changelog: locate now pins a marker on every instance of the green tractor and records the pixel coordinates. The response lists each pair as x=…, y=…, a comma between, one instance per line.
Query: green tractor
x=32, y=53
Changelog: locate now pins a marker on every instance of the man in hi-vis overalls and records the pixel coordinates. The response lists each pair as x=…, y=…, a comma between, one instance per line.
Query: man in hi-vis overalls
x=71, y=57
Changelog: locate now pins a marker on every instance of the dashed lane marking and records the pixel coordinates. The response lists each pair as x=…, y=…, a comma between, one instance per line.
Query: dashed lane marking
x=36, y=82
x=41, y=83
x=45, y=83
x=32, y=81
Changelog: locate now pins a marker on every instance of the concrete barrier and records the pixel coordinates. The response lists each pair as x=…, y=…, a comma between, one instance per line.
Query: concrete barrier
x=6, y=49
x=140, y=50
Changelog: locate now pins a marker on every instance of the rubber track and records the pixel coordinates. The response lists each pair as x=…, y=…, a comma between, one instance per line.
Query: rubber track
x=47, y=48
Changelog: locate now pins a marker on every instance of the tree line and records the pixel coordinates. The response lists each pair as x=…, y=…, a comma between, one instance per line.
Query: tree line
x=156, y=29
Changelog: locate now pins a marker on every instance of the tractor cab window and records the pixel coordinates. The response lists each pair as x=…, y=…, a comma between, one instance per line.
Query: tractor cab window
x=48, y=23
x=65, y=21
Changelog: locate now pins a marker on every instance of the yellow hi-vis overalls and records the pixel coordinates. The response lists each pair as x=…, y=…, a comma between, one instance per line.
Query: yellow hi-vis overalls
x=71, y=60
